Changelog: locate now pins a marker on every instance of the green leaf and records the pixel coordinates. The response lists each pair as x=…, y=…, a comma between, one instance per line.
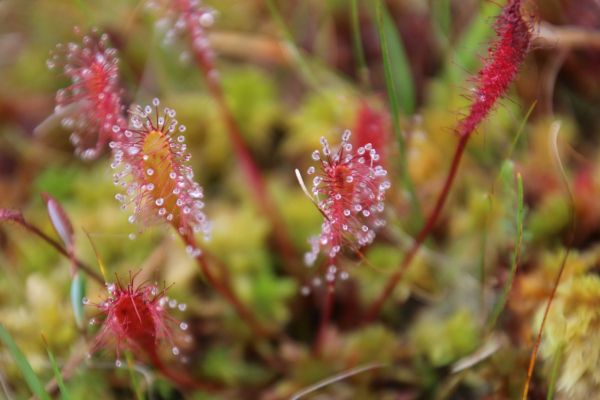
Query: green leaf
x=386, y=29
x=31, y=378
x=77, y=295
x=288, y=40
x=398, y=63
x=442, y=16
x=58, y=376
x=359, y=53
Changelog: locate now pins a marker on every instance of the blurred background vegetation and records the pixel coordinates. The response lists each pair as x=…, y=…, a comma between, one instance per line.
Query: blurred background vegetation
x=291, y=73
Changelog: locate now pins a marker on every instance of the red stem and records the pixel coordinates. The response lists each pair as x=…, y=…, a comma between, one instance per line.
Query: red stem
x=253, y=175
x=58, y=247
x=225, y=290
x=538, y=339
x=375, y=308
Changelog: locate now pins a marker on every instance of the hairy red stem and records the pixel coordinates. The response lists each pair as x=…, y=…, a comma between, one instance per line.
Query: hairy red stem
x=505, y=55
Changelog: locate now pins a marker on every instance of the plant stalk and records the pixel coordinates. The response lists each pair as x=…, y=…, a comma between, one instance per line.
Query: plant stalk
x=225, y=290
x=375, y=308
x=63, y=251
x=250, y=169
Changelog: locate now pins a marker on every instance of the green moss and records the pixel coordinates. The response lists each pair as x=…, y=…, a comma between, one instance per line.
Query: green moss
x=445, y=341
x=549, y=218
x=223, y=363
x=327, y=113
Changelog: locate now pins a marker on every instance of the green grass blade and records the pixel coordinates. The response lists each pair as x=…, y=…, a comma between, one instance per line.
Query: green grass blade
x=516, y=255
x=37, y=388
x=483, y=250
x=58, y=376
x=401, y=75
x=520, y=129
x=416, y=215
x=501, y=174
x=442, y=16
x=303, y=67
x=387, y=69
x=359, y=53
x=135, y=383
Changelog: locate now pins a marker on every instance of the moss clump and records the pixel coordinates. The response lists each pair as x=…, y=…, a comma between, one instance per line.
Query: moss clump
x=573, y=332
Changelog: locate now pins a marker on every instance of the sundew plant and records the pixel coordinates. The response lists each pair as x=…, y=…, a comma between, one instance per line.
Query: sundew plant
x=268, y=199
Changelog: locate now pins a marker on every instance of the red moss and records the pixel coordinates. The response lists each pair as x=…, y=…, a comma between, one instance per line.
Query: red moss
x=505, y=56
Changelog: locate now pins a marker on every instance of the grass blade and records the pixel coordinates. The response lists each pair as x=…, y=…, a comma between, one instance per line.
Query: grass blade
x=133, y=377
x=442, y=16
x=36, y=387
x=359, y=53
x=292, y=48
x=516, y=255
x=401, y=77
x=393, y=99
x=57, y=375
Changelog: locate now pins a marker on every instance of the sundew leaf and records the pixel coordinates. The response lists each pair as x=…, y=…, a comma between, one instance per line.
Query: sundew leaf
x=36, y=387
x=77, y=296
x=64, y=392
